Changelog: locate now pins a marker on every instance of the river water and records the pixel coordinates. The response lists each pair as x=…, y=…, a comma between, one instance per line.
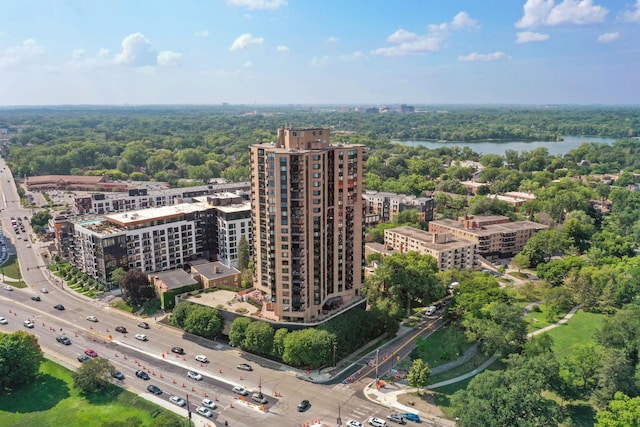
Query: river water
x=498, y=147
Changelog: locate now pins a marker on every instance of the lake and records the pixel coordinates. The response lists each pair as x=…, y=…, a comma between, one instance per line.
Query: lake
x=498, y=147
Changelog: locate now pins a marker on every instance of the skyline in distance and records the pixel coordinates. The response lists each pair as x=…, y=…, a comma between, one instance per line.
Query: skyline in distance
x=297, y=52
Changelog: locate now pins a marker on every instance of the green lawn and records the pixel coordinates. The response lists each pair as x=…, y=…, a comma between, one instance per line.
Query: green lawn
x=538, y=319
x=444, y=345
x=52, y=401
x=580, y=329
x=11, y=268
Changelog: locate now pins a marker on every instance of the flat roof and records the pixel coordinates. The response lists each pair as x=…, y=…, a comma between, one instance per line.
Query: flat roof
x=150, y=214
x=174, y=279
x=238, y=207
x=426, y=238
x=489, y=229
x=213, y=269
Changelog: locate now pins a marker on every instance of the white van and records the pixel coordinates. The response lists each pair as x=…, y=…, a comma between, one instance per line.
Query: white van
x=377, y=422
x=432, y=309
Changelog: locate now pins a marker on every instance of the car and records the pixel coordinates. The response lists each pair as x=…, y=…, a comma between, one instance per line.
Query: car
x=29, y=324
x=202, y=358
x=29, y=246
x=83, y=358
x=36, y=298
x=3, y=321
x=209, y=403
x=143, y=375
x=194, y=375
x=8, y=288
x=90, y=352
x=396, y=418
x=121, y=329
x=141, y=337
x=178, y=350
x=411, y=417
x=177, y=400
x=154, y=389
x=453, y=285
x=259, y=398
x=377, y=422
x=244, y=367
x=240, y=390
x=59, y=307
x=432, y=309
x=303, y=406
x=44, y=290
x=143, y=325
x=63, y=339
x=92, y=318
x=117, y=375
x=204, y=411
x=352, y=423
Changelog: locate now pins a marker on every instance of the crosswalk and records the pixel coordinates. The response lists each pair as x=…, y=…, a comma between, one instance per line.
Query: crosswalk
x=361, y=413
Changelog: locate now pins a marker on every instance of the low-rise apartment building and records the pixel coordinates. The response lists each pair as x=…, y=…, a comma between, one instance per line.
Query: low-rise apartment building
x=385, y=206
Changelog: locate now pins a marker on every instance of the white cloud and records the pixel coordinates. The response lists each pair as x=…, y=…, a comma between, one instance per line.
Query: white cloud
x=320, y=61
x=332, y=39
x=282, y=49
x=633, y=14
x=28, y=53
x=204, y=33
x=136, y=51
x=80, y=58
x=169, y=58
x=245, y=40
x=484, y=57
x=409, y=43
x=530, y=36
x=355, y=56
x=258, y=4
x=548, y=13
x=608, y=37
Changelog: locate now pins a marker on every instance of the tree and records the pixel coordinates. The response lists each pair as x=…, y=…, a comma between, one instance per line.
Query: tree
x=278, y=342
x=136, y=288
x=243, y=253
x=203, y=321
x=20, y=357
x=520, y=261
x=93, y=375
x=117, y=277
x=544, y=244
x=238, y=329
x=258, y=338
x=40, y=219
x=623, y=411
x=500, y=328
x=418, y=375
x=583, y=364
x=615, y=375
x=309, y=347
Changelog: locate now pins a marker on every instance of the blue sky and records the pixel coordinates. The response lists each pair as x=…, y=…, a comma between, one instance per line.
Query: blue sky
x=319, y=52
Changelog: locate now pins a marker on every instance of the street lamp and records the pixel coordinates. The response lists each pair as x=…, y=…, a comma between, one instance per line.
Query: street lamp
x=335, y=347
x=339, y=420
x=377, y=359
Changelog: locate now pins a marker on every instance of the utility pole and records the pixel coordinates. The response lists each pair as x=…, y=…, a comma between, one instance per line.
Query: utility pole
x=339, y=420
x=335, y=347
x=377, y=359
x=188, y=409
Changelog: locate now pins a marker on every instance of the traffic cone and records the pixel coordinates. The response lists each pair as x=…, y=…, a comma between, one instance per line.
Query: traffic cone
x=205, y=394
x=174, y=380
x=241, y=379
x=183, y=386
x=219, y=371
x=193, y=388
x=117, y=355
x=231, y=405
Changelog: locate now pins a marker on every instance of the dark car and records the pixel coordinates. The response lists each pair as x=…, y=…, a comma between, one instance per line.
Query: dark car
x=117, y=375
x=142, y=374
x=143, y=325
x=121, y=329
x=63, y=340
x=59, y=307
x=154, y=389
x=411, y=417
x=36, y=298
x=244, y=367
x=178, y=350
x=83, y=358
x=303, y=406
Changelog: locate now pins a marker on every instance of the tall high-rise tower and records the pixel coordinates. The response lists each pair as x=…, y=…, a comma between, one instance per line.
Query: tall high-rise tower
x=307, y=212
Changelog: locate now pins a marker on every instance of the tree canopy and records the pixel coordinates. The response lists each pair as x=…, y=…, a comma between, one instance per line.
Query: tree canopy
x=20, y=357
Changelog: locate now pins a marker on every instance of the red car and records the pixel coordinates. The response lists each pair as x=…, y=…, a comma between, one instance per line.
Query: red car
x=91, y=353
x=121, y=329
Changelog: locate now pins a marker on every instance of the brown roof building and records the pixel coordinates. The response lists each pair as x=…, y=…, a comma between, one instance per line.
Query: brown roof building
x=74, y=182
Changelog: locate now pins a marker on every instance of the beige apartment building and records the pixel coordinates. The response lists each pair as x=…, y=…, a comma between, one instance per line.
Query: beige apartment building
x=496, y=235
x=307, y=212
x=450, y=252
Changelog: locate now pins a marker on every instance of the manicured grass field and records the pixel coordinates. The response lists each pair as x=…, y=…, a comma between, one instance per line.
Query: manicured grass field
x=52, y=401
x=444, y=345
x=580, y=329
x=11, y=269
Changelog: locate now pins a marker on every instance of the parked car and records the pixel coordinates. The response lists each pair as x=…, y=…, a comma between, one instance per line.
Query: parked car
x=377, y=422
x=83, y=358
x=90, y=352
x=396, y=418
x=117, y=375
x=3, y=321
x=44, y=290
x=303, y=406
x=121, y=329
x=209, y=403
x=411, y=417
x=154, y=389
x=29, y=324
x=8, y=288
x=259, y=398
x=36, y=298
x=432, y=309
x=141, y=337
x=92, y=318
x=244, y=367
x=59, y=307
x=352, y=423
x=194, y=375
x=62, y=339
x=177, y=400
x=202, y=358
x=240, y=390
x=204, y=411
x=143, y=375
x=143, y=325
x=178, y=350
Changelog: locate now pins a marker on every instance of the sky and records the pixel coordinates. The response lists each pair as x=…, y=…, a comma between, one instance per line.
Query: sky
x=364, y=52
